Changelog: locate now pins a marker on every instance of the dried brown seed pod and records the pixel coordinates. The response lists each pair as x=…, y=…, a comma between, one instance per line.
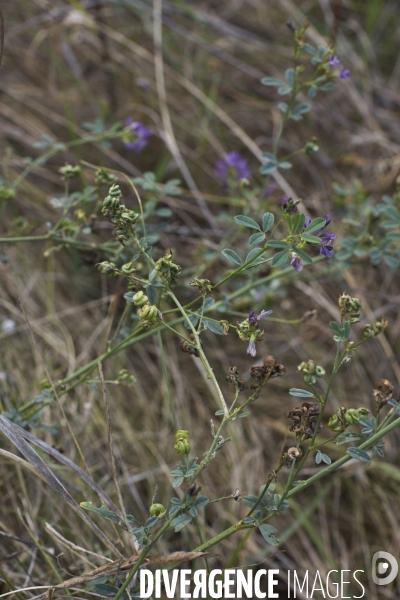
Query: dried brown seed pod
x=269, y=362
x=294, y=453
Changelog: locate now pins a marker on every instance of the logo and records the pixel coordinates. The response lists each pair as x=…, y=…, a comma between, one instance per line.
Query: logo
x=382, y=568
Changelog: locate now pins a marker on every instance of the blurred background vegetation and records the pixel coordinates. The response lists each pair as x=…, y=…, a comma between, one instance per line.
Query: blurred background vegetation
x=74, y=68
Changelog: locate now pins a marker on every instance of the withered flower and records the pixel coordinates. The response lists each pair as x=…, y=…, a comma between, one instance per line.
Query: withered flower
x=233, y=377
x=305, y=419
x=383, y=393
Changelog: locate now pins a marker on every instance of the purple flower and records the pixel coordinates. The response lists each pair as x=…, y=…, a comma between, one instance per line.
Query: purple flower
x=296, y=262
x=253, y=318
x=136, y=135
x=251, y=348
x=325, y=249
x=270, y=189
x=317, y=231
x=344, y=73
x=333, y=61
x=232, y=166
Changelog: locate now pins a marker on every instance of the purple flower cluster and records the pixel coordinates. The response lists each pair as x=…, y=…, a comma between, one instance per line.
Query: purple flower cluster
x=136, y=136
x=333, y=61
x=325, y=247
x=232, y=166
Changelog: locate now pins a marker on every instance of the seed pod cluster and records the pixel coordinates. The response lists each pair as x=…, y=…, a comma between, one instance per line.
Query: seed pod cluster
x=345, y=417
x=305, y=419
x=268, y=370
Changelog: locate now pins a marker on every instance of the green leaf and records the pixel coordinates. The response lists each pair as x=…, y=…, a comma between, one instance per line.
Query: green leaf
x=289, y=76
x=316, y=224
x=312, y=91
x=214, y=327
x=282, y=107
x=300, y=393
x=285, y=165
x=391, y=261
x=201, y=501
x=346, y=328
x=231, y=255
x=104, y=512
x=284, y=89
x=325, y=458
x=272, y=81
x=310, y=49
x=129, y=296
x=180, y=522
x=267, y=531
x=243, y=415
x=247, y=222
x=304, y=256
x=220, y=412
x=312, y=239
x=177, y=482
x=336, y=328
x=194, y=319
x=268, y=169
x=250, y=501
x=267, y=221
x=359, y=455
x=298, y=224
x=105, y=590
x=207, y=305
x=252, y=253
x=327, y=87
x=256, y=238
x=300, y=110
x=280, y=258
x=277, y=244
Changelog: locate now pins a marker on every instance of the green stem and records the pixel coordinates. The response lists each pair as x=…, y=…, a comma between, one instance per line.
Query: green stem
x=200, y=350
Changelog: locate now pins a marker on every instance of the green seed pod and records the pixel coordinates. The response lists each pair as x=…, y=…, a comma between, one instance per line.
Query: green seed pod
x=144, y=311
x=182, y=447
x=157, y=510
x=106, y=267
x=140, y=299
x=362, y=412
x=128, y=269
x=115, y=191
x=310, y=367
x=153, y=312
x=70, y=171
x=319, y=371
x=351, y=416
x=182, y=434
x=334, y=423
x=310, y=379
